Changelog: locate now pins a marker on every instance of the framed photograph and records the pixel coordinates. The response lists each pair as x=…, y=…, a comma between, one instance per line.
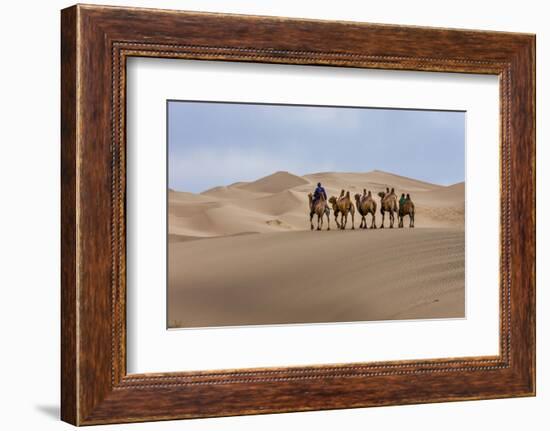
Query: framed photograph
x=264, y=214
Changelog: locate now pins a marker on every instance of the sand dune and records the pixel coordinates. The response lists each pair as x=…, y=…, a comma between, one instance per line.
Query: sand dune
x=287, y=201
x=374, y=180
x=451, y=194
x=230, y=193
x=279, y=202
x=274, y=183
x=308, y=277
x=243, y=254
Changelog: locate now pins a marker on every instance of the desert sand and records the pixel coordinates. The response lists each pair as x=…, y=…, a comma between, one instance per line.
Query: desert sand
x=243, y=254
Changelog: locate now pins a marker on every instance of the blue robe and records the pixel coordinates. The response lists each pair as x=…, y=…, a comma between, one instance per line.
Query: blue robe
x=319, y=191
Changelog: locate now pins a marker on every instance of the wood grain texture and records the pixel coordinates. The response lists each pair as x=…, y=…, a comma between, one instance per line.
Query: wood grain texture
x=96, y=41
x=69, y=397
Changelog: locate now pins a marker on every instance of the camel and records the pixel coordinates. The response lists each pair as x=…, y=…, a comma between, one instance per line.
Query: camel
x=388, y=204
x=343, y=206
x=365, y=205
x=406, y=209
x=321, y=209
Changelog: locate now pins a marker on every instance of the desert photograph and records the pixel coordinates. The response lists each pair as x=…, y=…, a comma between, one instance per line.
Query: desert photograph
x=291, y=214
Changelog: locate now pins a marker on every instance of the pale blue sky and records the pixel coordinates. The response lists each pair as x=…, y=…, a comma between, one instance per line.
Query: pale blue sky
x=213, y=144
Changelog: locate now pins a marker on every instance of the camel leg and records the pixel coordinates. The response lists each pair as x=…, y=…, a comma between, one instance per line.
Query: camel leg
x=311, y=220
x=336, y=219
x=344, y=221
x=383, y=216
x=319, y=221
x=411, y=220
x=373, y=222
x=328, y=221
x=353, y=220
x=392, y=219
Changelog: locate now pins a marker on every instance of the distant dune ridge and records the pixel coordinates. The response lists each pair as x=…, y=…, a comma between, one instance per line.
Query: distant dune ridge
x=244, y=254
x=279, y=203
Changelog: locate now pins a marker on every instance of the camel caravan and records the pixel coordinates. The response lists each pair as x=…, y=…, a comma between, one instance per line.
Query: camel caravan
x=343, y=206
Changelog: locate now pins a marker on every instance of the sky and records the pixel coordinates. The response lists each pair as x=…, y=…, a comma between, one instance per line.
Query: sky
x=216, y=144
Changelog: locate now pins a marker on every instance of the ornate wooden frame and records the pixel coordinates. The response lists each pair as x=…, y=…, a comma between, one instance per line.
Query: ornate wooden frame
x=95, y=42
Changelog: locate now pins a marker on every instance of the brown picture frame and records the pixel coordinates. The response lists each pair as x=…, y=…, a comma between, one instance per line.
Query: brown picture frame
x=95, y=43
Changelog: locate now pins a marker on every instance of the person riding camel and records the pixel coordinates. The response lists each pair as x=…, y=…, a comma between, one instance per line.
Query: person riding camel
x=319, y=191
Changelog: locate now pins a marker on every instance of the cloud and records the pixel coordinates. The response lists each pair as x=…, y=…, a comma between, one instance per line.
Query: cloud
x=205, y=168
x=213, y=144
